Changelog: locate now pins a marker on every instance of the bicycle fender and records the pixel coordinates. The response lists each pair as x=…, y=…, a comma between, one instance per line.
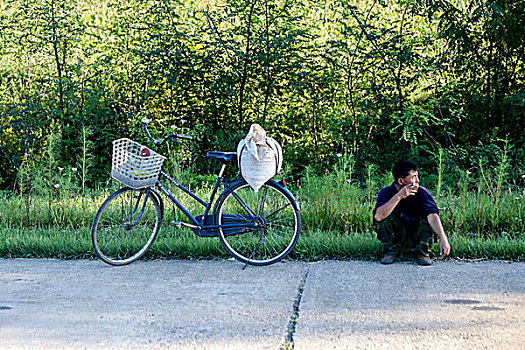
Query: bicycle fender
x=159, y=198
x=285, y=190
x=153, y=192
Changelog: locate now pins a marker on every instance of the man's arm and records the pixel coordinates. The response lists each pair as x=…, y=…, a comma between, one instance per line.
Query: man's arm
x=386, y=209
x=435, y=223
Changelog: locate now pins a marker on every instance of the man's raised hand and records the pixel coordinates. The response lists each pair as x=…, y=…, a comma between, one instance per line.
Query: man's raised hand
x=408, y=190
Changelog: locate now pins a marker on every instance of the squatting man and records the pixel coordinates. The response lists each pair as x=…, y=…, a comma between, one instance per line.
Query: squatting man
x=406, y=216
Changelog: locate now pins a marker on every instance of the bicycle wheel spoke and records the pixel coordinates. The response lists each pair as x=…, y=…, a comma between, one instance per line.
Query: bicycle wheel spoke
x=278, y=210
x=263, y=201
x=277, y=224
x=261, y=241
x=125, y=226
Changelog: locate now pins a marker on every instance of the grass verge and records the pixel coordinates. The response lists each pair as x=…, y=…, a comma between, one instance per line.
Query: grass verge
x=171, y=243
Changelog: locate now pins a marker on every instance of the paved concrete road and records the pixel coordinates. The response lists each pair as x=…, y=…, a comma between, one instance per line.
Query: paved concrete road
x=49, y=304
x=449, y=305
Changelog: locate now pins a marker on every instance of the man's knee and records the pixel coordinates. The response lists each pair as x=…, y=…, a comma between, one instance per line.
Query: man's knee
x=427, y=236
x=426, y=233
x=385, y=229
x=383, y=225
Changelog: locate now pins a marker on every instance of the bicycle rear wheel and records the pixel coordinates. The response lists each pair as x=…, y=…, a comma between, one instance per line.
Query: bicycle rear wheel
x=126, y=226
x=273, y=219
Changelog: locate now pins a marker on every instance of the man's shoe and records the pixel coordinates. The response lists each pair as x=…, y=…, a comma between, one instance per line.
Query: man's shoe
x=424, y=260
x=388, y=258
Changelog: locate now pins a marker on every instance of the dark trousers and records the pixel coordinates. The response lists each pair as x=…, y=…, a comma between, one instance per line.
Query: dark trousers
x=396, y=234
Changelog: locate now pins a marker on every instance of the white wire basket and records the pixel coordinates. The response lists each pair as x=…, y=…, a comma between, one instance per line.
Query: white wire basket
x=134, y=165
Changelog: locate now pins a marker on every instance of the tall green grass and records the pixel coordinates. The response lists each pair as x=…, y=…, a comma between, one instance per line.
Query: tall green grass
x=51, y=212
x=331, y=204
x=328, y=203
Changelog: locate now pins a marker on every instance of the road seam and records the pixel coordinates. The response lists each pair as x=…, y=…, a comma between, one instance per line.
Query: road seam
x=288, y=342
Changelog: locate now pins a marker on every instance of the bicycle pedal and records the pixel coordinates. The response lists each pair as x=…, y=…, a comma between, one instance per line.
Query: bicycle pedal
x=177, y=224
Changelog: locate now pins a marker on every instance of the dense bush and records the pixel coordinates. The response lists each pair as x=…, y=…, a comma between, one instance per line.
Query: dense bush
x=376, y=80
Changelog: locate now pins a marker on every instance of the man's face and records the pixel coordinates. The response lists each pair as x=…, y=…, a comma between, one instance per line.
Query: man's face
x=413, y=177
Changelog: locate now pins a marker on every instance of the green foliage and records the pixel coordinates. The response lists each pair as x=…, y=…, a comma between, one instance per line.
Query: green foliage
x=51, y=216
x=380, y=80
x=485, y=45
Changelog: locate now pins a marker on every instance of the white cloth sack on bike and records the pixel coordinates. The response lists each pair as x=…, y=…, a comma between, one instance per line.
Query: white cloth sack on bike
x=259, y=157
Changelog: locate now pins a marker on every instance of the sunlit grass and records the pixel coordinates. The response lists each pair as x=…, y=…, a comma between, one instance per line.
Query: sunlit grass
x=335, y=213
x=313, y=245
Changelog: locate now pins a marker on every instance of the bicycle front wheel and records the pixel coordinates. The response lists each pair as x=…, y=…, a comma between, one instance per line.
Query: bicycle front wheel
x=263, y=226
x=126, y=225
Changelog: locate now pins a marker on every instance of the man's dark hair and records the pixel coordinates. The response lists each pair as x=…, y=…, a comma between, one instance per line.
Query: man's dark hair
x=401, y=169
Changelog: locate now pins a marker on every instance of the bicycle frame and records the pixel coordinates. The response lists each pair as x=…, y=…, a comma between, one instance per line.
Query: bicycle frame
x=201, y=225
x=136, y=207
x=267, y=221
x=196, y=224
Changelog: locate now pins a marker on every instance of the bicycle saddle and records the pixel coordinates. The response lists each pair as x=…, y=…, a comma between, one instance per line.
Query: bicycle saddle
x=223, y=157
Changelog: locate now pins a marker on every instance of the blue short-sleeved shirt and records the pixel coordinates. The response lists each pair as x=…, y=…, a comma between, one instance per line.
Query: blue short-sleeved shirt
x=411, y=208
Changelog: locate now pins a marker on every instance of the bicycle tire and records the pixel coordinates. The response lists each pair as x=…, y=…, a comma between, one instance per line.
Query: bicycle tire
x=277, y=214
x=117, y=240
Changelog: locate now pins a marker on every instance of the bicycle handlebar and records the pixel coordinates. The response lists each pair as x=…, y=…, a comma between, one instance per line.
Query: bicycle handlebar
x=146, y=121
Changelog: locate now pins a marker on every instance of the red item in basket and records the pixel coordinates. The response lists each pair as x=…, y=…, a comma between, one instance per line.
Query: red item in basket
x=144, y=152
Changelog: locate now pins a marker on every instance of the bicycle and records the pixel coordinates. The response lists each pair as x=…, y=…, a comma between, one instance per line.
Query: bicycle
x=256, y=228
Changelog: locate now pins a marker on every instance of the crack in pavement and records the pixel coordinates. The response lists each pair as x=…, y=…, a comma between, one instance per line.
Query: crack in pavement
x=288, y=342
